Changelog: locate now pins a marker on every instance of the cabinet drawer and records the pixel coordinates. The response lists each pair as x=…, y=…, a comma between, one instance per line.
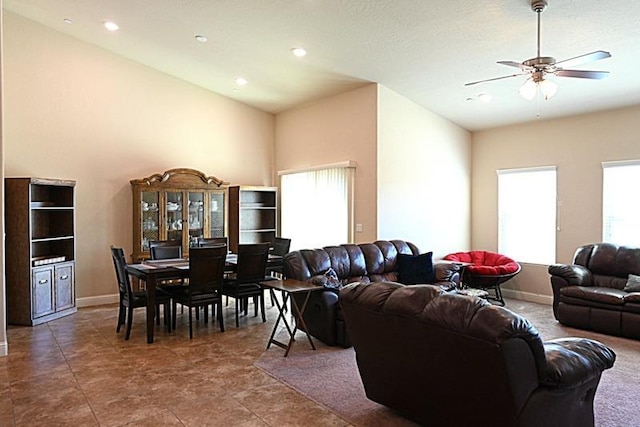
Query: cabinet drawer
x=43, y=297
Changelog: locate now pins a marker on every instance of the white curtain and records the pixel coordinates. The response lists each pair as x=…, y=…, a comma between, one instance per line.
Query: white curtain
x=316, y=208
x=621, y=203
x=527, y=214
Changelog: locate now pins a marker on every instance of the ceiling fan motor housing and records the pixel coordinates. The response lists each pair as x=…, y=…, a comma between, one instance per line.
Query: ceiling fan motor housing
x=539, y=5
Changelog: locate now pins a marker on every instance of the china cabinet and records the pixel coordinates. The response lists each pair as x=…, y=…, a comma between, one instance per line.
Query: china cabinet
x=179, y=204
x=40, y=249
x=252, y=215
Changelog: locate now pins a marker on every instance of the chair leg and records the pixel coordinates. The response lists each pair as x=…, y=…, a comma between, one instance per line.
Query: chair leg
x=264, y=317
x=167, y=315
x=237, y=309
x=191, y=322
x=129, y=323
x=173, y=314
x=255, y=306
x=220, y=318
x=121, y=317
x=206, y=314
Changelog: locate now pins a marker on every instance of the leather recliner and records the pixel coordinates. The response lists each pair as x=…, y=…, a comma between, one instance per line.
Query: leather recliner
x=589, y=294
x=444, y=359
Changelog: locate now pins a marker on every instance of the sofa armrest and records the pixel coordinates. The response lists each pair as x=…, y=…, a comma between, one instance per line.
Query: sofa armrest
x=575, y=275
x=575, y=361
x=446, y=271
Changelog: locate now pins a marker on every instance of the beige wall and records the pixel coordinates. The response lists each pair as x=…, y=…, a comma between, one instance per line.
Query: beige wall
x=577, y=146
x=424, y=166
x=4, y=350
x=78, y=112
x=331, y=130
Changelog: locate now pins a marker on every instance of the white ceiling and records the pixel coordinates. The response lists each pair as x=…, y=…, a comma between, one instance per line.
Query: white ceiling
x=423, y=50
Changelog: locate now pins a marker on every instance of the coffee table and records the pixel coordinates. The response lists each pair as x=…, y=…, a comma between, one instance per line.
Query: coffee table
x=289, y=287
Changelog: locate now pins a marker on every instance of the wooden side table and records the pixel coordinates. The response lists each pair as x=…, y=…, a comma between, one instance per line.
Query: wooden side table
x=288, y=288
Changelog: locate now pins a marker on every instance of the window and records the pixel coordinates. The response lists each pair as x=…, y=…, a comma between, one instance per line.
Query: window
x=316, y=206
x=527, y=214
x=621, y=203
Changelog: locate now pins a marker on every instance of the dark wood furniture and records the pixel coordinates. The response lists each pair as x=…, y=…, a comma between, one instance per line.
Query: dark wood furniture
x=130, y=300
x=245, y=283
x=289, y=287
x=40, y=249
x=179, y=204
x=152, y=272
x=252, y=215
x=206, y=276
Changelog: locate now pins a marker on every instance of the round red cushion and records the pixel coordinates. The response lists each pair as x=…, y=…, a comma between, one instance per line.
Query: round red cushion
x=485, y=263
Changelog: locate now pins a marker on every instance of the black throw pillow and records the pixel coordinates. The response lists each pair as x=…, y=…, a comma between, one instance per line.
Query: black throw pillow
x=416, y=269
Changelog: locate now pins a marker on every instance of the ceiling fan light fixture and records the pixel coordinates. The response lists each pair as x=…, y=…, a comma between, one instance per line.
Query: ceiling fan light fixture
x=528, y=89
x=547, y=88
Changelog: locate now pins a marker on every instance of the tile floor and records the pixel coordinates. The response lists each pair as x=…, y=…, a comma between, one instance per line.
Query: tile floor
x=78, y=371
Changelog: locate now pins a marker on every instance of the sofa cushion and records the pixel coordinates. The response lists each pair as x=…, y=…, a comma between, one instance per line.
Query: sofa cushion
x=416, y=269
x=633, y=284
x=633, y=297
x=596, y=294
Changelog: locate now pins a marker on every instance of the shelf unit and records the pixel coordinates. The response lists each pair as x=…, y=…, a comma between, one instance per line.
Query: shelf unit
x=40, y=249
x=252, y=215
x=179, y=204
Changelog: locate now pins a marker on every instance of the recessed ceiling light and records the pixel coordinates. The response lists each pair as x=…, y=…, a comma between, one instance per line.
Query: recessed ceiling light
x=241, y=81
x=201, y=38
x=111, y=26
x=299, y=52
x=67, y=21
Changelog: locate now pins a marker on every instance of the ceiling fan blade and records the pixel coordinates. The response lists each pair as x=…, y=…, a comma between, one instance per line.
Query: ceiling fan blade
x=582, y=59
x=495, y=78
x=582, y=74
x=515, y=64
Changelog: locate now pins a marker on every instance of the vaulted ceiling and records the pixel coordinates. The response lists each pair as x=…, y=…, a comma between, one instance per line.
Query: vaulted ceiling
x=423, y=50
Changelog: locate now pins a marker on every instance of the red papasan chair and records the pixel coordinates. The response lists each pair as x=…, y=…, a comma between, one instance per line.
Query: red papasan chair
x=485, y=270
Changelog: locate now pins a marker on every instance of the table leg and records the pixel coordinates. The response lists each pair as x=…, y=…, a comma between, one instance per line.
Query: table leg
x=151, y=307
x=281, y=316
x=298, y=315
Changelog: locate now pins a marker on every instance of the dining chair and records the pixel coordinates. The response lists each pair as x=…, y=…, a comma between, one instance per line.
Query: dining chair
x=212, y=241
x=165, y=249
x=280, y=248
x=130, y=300
x=245, y=283
x=206, y=276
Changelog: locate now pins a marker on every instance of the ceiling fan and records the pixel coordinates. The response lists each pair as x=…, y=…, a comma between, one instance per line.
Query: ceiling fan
x=541, y=66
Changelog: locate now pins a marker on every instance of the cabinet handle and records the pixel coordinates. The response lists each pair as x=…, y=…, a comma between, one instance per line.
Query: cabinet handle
x=43, y=281
x=65, y=277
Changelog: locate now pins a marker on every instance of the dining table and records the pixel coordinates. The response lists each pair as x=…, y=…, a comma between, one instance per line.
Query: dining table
x=154, y=271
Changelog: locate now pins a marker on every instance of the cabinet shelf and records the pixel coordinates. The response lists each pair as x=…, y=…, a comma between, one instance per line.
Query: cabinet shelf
x=252, y=215
x=51, y=239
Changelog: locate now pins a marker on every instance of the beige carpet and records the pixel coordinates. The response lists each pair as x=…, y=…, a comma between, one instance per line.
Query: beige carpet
x=330, y=375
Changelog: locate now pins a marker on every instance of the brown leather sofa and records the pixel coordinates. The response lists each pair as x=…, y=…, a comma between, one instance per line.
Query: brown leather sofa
x=366, y=262
x=589, y=294
x=444, y=359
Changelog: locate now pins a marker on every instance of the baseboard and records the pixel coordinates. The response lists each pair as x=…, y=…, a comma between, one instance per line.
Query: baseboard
x=528, y=296
x=99, y=300
x=4, y=348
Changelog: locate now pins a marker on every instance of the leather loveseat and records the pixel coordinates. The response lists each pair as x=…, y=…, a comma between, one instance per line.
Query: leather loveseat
x=444, y=359
x=589, y=294
x=365, y=263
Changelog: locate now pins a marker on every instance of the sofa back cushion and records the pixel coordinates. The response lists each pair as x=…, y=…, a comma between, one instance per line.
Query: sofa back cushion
x=610, y=264
x=366, y=262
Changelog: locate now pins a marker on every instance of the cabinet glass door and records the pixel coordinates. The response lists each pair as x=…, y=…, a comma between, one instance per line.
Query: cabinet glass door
x=196, y=217
x=216, y=223
x=150, y=220
x=173, y=215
